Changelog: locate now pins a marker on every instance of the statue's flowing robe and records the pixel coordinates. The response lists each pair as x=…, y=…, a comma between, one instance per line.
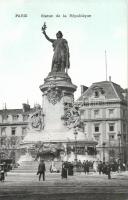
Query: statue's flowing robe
x=60, y=59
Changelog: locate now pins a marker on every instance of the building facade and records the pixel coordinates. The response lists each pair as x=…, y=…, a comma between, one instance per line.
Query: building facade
x=104, y=114
x=13, y=128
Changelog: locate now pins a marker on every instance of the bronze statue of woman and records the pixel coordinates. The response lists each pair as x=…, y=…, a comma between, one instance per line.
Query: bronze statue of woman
x=60, y=61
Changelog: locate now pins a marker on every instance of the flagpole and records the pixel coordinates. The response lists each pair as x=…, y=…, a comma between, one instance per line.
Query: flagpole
x=106, y=64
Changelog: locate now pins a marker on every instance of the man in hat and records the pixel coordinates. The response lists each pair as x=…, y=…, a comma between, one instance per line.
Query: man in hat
x=41, y=170
x=2, y=173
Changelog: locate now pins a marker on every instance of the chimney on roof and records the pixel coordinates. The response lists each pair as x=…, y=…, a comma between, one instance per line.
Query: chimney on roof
x=26, y=107
x=125, y=93
x=83, y=89
x=110, y=78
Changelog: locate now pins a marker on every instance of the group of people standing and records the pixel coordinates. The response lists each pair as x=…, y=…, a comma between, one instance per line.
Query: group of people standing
x=105, y=168
x=108, y=167
x=68, y=168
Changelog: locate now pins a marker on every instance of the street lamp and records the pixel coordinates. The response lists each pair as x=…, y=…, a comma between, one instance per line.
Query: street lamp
x=75, y=134
x=119, y=137
x=104, y=151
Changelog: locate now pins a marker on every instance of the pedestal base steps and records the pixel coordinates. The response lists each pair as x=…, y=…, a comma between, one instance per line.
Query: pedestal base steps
x=32, y=167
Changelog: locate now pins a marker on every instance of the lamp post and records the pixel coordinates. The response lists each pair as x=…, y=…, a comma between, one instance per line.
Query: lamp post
x=119, y=137
x=104, y=151
x=75, y=134
x=109, y=149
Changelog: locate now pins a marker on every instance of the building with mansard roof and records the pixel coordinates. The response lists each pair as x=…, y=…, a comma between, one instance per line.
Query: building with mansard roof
x=104, y=113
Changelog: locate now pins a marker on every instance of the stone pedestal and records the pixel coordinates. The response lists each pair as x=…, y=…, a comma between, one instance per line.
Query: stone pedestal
x=49, y=126
x=58, y=91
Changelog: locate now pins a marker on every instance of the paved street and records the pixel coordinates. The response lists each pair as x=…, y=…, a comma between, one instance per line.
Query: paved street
x=80, y=186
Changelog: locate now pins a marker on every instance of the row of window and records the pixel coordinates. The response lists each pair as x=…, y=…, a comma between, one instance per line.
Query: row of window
x=111, y=137
x=97, y=113
x=111, y=127
x=16, y=117
x=110, y=113
x=13, y=131
x=97, y=127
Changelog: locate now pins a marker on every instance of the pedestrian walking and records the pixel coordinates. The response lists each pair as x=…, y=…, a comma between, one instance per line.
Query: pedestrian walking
x=86, y=167
x=95, y=166
x=104, y=168
x=70, y=169
x=100, y=167
x=109, y=170
x=2, y=173
x=64, y=170
x=41, y=170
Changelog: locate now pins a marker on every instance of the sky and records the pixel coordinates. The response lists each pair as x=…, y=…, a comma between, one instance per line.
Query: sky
x=26, y=56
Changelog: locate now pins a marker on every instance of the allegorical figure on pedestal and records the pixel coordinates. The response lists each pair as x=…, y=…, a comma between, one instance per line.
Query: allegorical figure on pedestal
x=60, y=61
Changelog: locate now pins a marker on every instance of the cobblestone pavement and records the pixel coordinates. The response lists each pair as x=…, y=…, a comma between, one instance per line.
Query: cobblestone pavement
x=78, y=187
